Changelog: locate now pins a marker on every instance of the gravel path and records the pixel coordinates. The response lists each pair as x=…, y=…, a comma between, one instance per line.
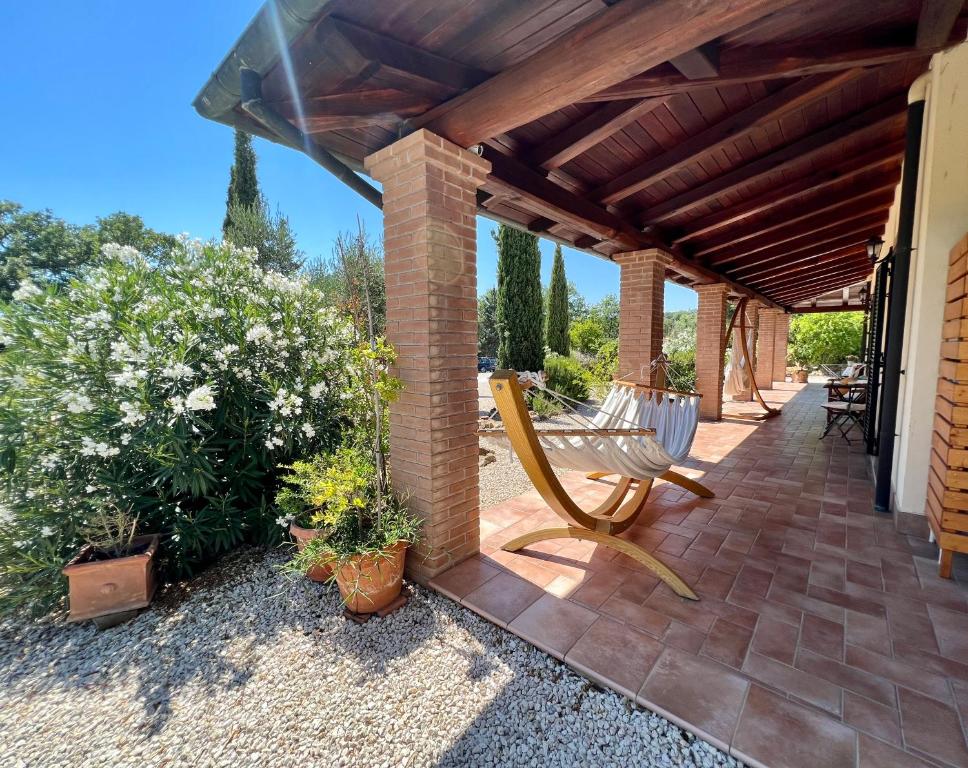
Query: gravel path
x=247, y=668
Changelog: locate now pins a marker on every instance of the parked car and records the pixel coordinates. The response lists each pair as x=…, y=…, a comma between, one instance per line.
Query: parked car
x=486, y=364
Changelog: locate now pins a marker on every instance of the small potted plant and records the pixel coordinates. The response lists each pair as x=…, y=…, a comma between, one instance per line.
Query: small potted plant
x=114, y=571
x=302, y=505
x=367, y=531
x=800, y=374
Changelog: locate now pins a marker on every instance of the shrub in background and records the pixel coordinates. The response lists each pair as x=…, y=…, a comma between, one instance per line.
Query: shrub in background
x=567, y=377
x=605, y=366
x=825, y=338
x=175, y=393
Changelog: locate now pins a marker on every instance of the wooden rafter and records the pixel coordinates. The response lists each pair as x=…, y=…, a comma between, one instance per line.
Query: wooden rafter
x=614, y=44
x=725, y=132
x=817, y=308
x=886, y=113
x=877, y=190
x=936, y=22
x=756, y=63
x=813, y=226
x=589, y=131
x=820, y=285
x=699, y=63
x=850, y=234
x=808, y=263
x=878, y=158
x=781, y=283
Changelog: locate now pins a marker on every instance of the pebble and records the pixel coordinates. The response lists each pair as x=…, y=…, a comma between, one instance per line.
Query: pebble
x=257, y=669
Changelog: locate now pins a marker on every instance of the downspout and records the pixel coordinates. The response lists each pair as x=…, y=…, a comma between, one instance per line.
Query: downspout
x=899, y=290
x=252, y=104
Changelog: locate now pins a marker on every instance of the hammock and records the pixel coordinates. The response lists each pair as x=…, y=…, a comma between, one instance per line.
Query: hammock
x=743, y=337
x=617, y=444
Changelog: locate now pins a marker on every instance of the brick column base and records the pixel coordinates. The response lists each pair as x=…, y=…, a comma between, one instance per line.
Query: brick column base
x=430, y=250
x=641, y=310
x=710, y=348
x=765, y=349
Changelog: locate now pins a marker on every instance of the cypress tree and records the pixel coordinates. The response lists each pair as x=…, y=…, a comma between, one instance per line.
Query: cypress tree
x=243, y=184
x=556, y=337
x=519, y=304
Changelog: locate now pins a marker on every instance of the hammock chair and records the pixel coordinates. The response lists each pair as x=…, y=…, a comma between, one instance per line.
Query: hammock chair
x=672, y=414
x=739, y=374
x=617, y=444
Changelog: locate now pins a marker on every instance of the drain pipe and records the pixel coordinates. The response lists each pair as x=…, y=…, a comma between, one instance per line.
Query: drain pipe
x=891, y=385
x=252, y=104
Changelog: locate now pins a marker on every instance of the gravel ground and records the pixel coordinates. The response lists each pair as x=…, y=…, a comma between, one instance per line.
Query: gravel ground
x=244, y=667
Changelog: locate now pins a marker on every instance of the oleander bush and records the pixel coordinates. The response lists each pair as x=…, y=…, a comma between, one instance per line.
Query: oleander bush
x=175, y=393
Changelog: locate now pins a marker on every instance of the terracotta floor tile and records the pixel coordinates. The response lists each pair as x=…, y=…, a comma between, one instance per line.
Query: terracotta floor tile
x=899, y=672
x=932, y=727
x=779, y=733
x=822, y=636
x=685, y=638
x=951, y=630
x=775, y=639
x=553, y=624
x=615, y=655
x=856, y=680
x=464, y=578
x=809, y=688
x=637, y=615
x=690, y=689
x=873, y=718
x=598, y=587
x=876, y=754
x=868, y=632
x=502, y=598
x=727, y=643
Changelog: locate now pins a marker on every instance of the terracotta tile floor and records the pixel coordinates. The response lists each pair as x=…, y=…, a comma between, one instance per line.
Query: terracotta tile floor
x=823, y=636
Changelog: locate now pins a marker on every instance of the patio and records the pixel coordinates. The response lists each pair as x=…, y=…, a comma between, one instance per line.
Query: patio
x=823, y=635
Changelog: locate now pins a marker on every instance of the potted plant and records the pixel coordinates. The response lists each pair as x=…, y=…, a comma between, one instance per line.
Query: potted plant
x=367, y=531
x=302, y=504
x=114, y=571
x=800, y=374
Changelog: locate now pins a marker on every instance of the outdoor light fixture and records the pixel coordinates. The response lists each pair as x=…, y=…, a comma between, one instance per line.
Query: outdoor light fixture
x=864, y=295
x=874, y=246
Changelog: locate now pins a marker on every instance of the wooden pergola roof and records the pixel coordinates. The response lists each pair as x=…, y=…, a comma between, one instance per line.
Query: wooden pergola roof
x=759, y=142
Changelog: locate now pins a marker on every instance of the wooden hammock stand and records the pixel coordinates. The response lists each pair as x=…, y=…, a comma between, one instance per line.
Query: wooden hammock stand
x=602, y=524
x=740, y=322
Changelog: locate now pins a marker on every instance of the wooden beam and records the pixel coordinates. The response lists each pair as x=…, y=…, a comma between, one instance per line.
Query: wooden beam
x=862, y=210
x=818, y=287
x=880, y=189
x=882, y=115
x=541, y=224
x=767, y=62
x=611, y=46
x=936, y=23
x=779, y=284
x=851, y=234
x=804, y=263
x=880, y=157
x=589, y=131
x=699, y=62
x=827, y=308
x=725, y=132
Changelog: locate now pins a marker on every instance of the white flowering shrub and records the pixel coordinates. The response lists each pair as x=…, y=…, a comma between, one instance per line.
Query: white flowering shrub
x=176, y=393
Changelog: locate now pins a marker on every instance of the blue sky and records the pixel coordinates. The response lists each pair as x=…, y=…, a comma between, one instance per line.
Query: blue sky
x=98, y=118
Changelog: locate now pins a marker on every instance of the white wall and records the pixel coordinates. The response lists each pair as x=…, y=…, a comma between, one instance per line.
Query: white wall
x=941, y=221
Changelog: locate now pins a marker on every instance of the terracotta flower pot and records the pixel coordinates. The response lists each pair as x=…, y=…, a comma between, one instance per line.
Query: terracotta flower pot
x=112, y=585
x=371, y=582
x=800, y=376
x=322, y=570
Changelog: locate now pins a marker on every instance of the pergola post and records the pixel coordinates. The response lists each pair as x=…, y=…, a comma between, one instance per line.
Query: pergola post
x=711, y=348
x=430, y=251
x=781, y=333
x=641, y=310
x=765, y=349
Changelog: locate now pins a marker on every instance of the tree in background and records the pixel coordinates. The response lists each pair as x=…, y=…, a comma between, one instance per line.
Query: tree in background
x=243, y=182
x=519, y=305
x=41, y=247
x=487, y=334
x=577, y=306
x=256, y=227
x=679, y=330
x=606, y=312
x=825, y=337
x=587, y=335
x=339, y=277
x=556, y=336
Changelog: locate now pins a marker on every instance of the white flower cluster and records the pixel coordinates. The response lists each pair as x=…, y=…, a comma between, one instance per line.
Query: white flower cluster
x=26, y=290
x=286, y=403
x=199, y=399
x=77, y=402
x=91, y=448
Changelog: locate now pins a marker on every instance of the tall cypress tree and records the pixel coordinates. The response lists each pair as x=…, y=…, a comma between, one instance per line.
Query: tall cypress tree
x=556, y=336
x=243, y=184
x=519, y=304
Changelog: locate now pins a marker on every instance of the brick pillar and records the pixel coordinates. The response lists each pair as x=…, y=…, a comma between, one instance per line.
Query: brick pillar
x=781, y=332
x=710, y=349
x=765, y=345
x=430, y=250
x=642, y=309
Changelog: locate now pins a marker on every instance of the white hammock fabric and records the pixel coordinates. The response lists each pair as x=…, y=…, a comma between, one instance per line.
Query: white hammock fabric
x=673, y=416
x=737, y=380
